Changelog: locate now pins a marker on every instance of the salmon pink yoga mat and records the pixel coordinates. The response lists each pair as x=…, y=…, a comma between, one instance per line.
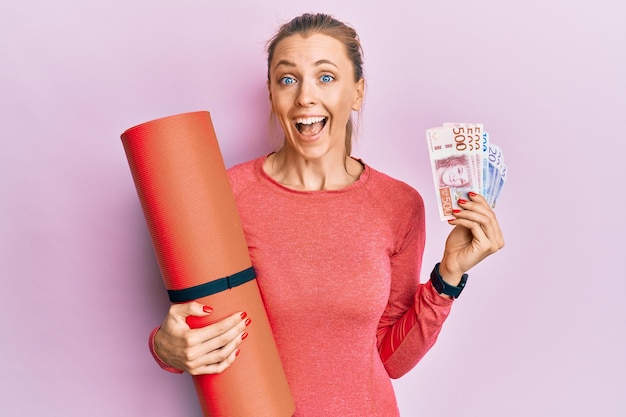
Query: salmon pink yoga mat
x=197, y=235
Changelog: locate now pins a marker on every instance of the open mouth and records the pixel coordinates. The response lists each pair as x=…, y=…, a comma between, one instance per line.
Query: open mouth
x=310, y=126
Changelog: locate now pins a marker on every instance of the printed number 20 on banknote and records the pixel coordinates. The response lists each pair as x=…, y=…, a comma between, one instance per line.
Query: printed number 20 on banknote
x=452, y=153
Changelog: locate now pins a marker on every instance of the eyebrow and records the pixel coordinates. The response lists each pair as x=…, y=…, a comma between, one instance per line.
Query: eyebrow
x=317, y=63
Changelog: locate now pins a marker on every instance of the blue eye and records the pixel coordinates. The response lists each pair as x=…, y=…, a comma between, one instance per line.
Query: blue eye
x=287, y=80
x=326, y=78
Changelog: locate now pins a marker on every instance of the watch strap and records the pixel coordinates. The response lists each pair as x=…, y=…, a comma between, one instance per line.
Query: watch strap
x=443, y=287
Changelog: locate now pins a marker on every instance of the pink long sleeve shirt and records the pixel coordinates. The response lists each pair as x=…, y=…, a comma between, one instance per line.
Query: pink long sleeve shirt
x=339, y=275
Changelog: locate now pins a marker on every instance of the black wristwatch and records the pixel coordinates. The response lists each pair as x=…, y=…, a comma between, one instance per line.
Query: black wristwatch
x=443, y=287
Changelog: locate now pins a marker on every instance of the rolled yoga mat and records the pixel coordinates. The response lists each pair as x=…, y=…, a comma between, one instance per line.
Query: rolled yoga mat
x=198, y=239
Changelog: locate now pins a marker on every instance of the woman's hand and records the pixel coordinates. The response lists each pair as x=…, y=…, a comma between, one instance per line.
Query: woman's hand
x=475, y=236
x=207, y=350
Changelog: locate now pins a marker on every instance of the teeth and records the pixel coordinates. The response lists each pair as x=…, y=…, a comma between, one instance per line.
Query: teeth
x=309, y=120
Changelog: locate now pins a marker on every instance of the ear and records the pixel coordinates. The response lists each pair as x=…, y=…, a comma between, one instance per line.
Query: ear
x=360, y=91
x=269, y=90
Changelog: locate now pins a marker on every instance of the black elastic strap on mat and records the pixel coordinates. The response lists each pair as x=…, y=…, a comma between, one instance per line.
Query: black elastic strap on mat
x=213, y=287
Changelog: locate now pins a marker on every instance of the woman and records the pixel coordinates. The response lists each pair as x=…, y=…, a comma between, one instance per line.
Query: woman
x=453, y=171
x=337, y=245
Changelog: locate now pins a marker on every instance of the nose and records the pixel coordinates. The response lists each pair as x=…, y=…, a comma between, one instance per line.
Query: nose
x=306, y=94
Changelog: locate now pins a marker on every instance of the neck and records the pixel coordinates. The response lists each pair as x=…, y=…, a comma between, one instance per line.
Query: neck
x=295, y=172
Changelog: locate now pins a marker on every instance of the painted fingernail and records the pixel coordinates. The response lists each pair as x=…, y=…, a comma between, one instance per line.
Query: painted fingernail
x=456, y=211
x=472, y=194
x=461, y=201
x=237, y=352
x=244, y=335
x=244, y=315
x=248, y=321
x=207, y=309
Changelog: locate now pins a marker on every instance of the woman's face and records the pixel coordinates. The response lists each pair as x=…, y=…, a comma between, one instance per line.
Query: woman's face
x=313, y=92
x=454, y=176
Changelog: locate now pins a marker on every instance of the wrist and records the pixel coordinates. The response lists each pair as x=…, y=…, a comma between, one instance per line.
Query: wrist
x=451, y=277
x=155, y=355
x=444, y=288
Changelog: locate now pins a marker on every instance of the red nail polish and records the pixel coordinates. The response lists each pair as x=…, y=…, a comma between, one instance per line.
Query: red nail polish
x=456, y=211
x=207, y=309
x=472, y=194
x=461, y=201
x=248, y=321
x=244, y=335
x=244, y=315
x=237, y=352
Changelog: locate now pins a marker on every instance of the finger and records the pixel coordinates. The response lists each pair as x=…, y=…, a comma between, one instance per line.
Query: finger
x=180, y=312
x=218, y=362
x=479, y=198
x=224, y=332
x=218, y=353
x=485, y=215
x=195, y=343
x=473, y=212
x=201, y=346
x=486, y=234
x=236, y=322
x=175, y=323
x=475, y=202
x=471, y=222
x=492, y=228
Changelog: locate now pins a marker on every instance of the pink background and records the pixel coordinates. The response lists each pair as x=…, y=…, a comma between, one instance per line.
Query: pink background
x=540, y=330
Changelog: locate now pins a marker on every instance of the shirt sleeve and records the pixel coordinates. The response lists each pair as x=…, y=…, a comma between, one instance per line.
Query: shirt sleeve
x=415, y=312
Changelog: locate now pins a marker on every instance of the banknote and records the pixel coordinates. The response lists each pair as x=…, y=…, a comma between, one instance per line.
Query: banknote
x=452, y=163
x=499, y=186
x=473, y=133
x=497, y=169
x=464, y=159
